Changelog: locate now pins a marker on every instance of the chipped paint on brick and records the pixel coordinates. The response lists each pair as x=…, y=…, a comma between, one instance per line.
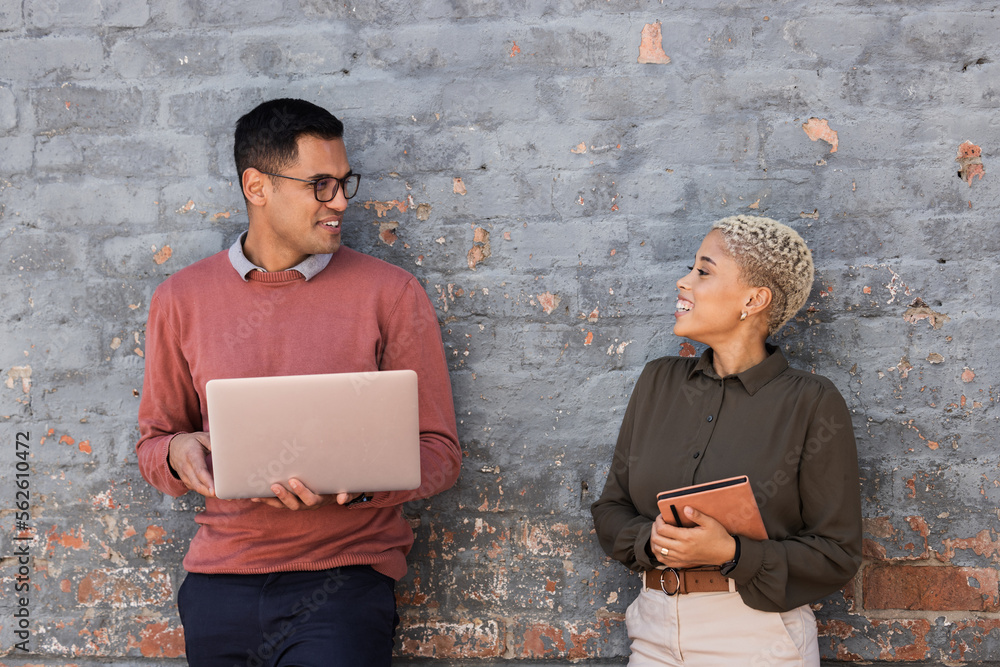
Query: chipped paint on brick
x=163, y=254
x=457, y=186
x=549, y=301
x=819, y=129
x=383, y=207
x=970, y=162
x=125, y=587
x=480, y=249
x=21, y=375
x=919, y=310
x=651, y=47
x=442, y=640
x=985, y=544
x=158, y=640
x=387, y=231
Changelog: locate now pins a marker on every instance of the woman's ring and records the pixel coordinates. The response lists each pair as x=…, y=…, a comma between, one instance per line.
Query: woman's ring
x=665, y=551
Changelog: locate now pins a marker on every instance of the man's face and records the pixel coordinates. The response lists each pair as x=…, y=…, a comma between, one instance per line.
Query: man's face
x=292, y=224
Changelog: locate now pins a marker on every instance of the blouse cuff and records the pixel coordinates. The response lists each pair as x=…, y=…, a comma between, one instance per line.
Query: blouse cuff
x=642, y=550
x=751, y=560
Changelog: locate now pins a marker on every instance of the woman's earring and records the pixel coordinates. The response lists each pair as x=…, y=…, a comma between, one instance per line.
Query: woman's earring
x=743, y=315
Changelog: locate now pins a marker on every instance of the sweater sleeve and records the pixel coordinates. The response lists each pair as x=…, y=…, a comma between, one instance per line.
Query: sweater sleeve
x=169, y=403
x=778, y=575
x=412, y=341
x=621, y=530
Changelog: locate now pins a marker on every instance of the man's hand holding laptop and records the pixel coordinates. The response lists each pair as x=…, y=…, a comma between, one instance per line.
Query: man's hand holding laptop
x=188, y=459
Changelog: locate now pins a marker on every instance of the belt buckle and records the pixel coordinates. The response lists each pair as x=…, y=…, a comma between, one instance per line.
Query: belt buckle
x=677, y=578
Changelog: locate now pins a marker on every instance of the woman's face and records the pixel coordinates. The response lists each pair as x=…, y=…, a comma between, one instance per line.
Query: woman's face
x=711, y=296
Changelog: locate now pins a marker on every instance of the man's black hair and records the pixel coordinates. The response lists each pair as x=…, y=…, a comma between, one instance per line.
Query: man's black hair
x=267, y=137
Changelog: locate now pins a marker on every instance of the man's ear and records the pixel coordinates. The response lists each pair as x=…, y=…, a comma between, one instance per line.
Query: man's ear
x=255, y=187
x=759, y=300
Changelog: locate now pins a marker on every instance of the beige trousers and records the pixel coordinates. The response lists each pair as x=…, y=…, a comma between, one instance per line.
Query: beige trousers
x=717, y=629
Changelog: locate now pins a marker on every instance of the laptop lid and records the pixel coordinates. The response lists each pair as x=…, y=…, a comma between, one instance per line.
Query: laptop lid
x=340, y=432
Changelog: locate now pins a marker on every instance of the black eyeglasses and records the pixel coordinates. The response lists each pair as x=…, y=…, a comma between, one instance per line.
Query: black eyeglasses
x=325, y=189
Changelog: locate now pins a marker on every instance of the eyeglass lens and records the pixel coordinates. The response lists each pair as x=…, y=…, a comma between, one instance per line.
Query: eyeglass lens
x=326, y=188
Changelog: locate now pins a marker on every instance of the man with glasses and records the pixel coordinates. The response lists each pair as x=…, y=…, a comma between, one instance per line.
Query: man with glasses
x=298, y=578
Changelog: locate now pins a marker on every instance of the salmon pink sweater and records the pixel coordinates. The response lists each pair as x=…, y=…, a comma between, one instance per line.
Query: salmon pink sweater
x=357, y=314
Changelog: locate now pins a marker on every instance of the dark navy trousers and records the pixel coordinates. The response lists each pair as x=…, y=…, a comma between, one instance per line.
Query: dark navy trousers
x=341, y=617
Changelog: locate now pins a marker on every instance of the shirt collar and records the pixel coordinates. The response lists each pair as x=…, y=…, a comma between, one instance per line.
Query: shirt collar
x=752, y=378
x=308, y=267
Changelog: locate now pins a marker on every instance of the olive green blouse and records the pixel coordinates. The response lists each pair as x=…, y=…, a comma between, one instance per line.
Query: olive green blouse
x=789, y=431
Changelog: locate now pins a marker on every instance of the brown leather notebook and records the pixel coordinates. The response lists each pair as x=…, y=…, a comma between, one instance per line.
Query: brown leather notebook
x=728, y=501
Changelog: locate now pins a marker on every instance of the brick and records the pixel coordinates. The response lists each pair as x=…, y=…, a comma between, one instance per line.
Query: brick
x=30, y=252
x=124, y=587
x=134, y=256
x=171, y=57
x=16, y=154
x=284, y=51
x=8, y=110
x=10, y=15
x=52, y=58
x=108, y=157
x=443, y=640
x=47, y=14
x=63, y=108
x=568, y=640
x=96, y=203
x=930, y=588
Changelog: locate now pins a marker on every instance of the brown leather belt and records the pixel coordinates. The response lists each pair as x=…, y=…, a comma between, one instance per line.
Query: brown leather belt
x=672, y=581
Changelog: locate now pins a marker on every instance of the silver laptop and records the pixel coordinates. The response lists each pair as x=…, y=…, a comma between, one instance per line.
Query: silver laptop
x=341, y=432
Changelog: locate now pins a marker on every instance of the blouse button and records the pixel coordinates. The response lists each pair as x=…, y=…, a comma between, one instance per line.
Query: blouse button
x=697, y=454
x=710, y=418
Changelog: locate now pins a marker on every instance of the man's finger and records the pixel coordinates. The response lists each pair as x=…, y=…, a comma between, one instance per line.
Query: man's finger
x=303, y=492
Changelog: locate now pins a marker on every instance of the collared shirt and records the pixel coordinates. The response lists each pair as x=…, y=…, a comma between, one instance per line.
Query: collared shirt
x=308, y=267
x=789, y=431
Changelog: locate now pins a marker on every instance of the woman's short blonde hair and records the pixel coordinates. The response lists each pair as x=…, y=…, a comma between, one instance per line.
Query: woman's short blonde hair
x=773, y=255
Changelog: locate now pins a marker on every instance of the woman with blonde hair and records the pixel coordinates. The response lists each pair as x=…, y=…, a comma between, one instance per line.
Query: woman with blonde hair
x=709, y=597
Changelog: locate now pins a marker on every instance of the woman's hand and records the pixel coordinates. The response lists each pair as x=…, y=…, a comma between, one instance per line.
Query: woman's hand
x=707, y=543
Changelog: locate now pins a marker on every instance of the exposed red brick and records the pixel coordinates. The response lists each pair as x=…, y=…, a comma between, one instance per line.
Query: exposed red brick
x=651, y=49
x=480, y=249
x=687, y=350
x=383, y=207
x=819, y=129
x=69, y=540
x=914, y=587
x=163, y=254
x=548, y=301
x=535, y=646
x=970, y=162
x=158, y=640
x=982, y=544
x=435, y=639
x=387, y=231
x=125, y=587
x=835, y=628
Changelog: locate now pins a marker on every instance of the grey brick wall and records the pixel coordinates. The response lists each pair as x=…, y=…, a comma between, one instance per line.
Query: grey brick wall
x=593, y=177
